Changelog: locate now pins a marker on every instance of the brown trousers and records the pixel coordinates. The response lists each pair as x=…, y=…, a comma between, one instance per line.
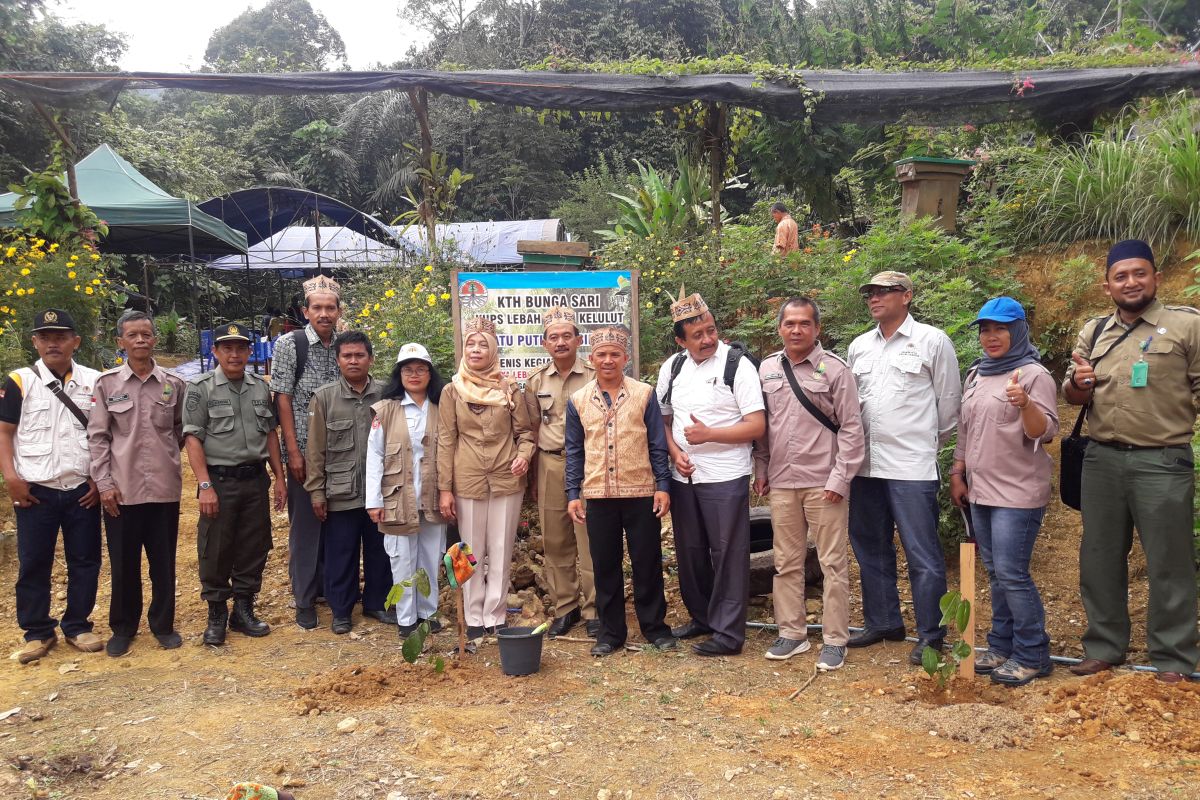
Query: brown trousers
x=564, y=543
x=796, y=515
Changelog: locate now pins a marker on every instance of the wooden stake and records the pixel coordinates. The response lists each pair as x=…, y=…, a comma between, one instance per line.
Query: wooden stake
x=462, y=625
x=966, y=576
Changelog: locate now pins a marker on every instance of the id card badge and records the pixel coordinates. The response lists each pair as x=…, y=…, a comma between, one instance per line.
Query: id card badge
x=1139, y=375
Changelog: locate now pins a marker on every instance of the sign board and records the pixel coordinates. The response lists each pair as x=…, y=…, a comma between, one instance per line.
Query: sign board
x=516, y=300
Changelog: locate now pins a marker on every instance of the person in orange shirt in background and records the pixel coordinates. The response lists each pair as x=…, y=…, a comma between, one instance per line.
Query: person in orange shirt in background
x=787, y=233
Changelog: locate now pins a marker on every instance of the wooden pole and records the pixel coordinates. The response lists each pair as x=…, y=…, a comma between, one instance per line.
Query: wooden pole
x=419, y=99
x=462, y=623
x=966, y=577
x=714, y=130
x=72, y=153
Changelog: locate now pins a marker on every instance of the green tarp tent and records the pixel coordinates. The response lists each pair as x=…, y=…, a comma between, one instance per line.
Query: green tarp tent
x=142, y=218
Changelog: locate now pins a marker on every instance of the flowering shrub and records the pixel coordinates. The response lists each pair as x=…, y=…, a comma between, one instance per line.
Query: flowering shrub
x=398, y=305
x=35, y=275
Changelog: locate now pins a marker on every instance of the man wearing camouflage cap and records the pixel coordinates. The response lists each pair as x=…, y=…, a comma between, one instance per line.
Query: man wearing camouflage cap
x=908, y=385
x=567, y=558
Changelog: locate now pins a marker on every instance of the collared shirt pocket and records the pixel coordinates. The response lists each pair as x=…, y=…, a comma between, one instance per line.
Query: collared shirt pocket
x=339, y=435
x=771, y=394
x=221, y=420
x=35, y=415
x=162, y=414
x=863, y=370
x=264, y=418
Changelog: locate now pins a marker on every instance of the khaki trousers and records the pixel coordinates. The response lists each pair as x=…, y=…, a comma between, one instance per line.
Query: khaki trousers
x=489, y=526
x=563, y=542
x=796, y=516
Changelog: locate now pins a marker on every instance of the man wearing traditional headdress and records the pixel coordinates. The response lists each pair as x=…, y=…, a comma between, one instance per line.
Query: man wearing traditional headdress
x=713, y=405
x=617, y=459
x=303, y=361
x=565, y=544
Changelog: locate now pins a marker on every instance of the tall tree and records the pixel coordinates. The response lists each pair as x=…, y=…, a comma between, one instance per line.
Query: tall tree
x=282, y=36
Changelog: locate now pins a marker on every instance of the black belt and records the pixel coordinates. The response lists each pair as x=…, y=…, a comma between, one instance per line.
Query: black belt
x=1124, y=446
x=557, y=452
x=240, y=472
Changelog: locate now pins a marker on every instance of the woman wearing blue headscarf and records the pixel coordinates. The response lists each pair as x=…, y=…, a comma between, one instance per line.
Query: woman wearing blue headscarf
x=1001, y=474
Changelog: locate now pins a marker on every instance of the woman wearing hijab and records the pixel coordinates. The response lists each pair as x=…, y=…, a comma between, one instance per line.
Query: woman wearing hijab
x=1001, y=474
x=402, y=491
x=484, y=447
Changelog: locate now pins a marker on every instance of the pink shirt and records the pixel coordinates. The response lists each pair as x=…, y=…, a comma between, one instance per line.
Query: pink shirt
x=135, y=432
x=1005, y=467
x=797, y=451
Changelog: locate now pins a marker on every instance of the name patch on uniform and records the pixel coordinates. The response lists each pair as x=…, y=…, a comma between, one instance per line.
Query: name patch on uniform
x=116, y=398
x=214, y=403
x=260, y=402
x=774, y=376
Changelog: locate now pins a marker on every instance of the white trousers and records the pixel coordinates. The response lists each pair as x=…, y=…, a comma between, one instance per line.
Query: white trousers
x=408, y=553
x=489, y=526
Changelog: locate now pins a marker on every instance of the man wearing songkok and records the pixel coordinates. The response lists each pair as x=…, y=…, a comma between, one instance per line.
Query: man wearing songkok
x=302, y=361
x=568, y=562
x=1138, y=372
x=135, y=434
x=44, y=459
x=617, y=460
x=804, y=463
x=909, y=390
x=714, y=407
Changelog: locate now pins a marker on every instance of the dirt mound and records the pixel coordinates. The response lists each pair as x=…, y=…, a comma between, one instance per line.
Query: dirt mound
x=987, y=726
x=356, y=686
x=1136, y=706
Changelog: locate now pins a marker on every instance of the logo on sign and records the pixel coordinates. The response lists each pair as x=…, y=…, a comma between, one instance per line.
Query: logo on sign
x=472, y=295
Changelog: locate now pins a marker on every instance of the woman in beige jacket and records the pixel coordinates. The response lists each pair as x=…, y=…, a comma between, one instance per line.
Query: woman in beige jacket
x=484, y=447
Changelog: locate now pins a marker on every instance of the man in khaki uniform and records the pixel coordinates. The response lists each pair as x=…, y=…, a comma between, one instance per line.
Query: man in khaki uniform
x=229, y=433
x=1139, y=368
x=546, y=395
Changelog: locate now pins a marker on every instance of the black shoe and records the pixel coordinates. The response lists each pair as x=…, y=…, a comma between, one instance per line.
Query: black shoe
x=406, y=630
x=435, y=624
x=666, y=643
x=604, y=649
x=869, y=636
x=341, y=625
x=306, y=618
x=593, y=628
x=218, y=618
x=691, y=630
x=169, y=641
x=118, y=645
x=712, y=647
x=243, y=620
x=383, y=615
x=563, y=624
x=914, y=656
x=475, y=632
x=490, y=630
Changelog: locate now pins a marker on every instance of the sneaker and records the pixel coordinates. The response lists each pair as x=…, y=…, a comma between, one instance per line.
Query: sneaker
x=832, y=657
x=785, y=648
x=1010, y=673
x=118, y=645
x=87, y=641
x=36, y=649
x=986, y=662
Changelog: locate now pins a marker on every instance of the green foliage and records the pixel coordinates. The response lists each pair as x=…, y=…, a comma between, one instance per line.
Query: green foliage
x=283, y=36
x=46, y=209
x=414, y=643
x=956, y=614
x=589, y=205
x=440, y=184
x=1139, y=178
x=667, y=207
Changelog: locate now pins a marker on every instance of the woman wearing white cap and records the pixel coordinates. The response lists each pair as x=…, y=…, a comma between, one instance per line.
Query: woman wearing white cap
x=402, y=485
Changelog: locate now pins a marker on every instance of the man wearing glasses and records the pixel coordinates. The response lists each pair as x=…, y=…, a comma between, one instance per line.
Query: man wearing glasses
x=908, y=385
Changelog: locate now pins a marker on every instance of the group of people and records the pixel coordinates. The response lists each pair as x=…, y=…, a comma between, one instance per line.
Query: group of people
x=845, y=450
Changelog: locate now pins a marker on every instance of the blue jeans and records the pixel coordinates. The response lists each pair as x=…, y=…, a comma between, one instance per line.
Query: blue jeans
x=37, y=535
x=1005, y=537
x=878, y=506
x=348, y=533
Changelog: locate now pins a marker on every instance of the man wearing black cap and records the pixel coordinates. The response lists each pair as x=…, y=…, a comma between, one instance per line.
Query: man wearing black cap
x=1139, y=368
x=44, y=459
x=229, y=430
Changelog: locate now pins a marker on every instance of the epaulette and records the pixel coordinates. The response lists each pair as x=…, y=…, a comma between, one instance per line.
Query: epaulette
x=837, y=358
x=776, y=354
x=1188, y=309
x=540, y=369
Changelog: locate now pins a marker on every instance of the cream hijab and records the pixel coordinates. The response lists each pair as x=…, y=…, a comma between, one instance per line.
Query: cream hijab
x=486, y=386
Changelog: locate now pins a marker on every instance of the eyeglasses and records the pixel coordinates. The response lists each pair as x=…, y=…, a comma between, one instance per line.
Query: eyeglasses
x=879, y=291
x=414, y=370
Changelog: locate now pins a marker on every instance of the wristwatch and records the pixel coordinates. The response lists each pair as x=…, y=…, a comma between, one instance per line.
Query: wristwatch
x=205, y=485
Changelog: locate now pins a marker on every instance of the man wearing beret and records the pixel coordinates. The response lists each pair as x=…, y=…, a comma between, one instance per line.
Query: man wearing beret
x=1138, y=372
x=229, y=430
x=44, y=459
x=565, y=544
x=909, y=389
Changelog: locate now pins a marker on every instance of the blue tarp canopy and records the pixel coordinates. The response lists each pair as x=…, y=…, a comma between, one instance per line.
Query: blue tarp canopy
x=262, y=213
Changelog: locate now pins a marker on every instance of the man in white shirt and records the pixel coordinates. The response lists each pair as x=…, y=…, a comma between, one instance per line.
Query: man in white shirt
x=712, y=425
x=909, y=387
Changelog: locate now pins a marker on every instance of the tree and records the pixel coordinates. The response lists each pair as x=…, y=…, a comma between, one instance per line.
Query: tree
x=282, y=36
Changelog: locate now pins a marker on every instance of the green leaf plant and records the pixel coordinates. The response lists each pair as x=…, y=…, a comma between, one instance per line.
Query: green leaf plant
x=414, y=644
x=956, y=613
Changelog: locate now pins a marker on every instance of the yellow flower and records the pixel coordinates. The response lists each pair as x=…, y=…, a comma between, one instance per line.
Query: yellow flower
x=8, y=293
x=376, y=307
x=30, y=290
x=88, y=290
x=20, y=292
x=445, y=295
x=71, y=274
x=53, y=247
x=366, y=312
x=391, y=325
x=95, y=257
x=77, y=287
x=10, y=252
x=657, y=290
x=649, y=305
x=25, y=271
x=95, y=281
x=383, y=334
x=431, y=300
x=390, y=293
x=429, y=268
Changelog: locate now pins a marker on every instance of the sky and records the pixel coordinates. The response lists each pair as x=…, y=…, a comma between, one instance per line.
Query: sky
x=171, y=37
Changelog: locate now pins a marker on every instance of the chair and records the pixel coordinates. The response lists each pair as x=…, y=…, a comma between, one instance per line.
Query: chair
x=206, y=346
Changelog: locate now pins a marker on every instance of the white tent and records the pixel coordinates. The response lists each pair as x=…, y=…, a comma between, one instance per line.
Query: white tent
x=488, y=243
x=296, y=248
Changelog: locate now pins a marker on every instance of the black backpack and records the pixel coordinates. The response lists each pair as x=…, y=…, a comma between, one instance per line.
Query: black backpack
x=737, y=351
